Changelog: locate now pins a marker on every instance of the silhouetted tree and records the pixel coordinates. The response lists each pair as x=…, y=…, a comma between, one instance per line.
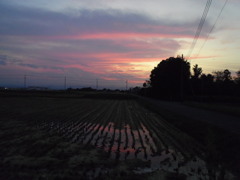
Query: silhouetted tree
x=195, y=80
x=197, y=71
x=222, y=75
x=146, y=90
x=223, y=82
x=238, y=74
x=218, y=76
x=226, y=75
x=170, y=78
x=237, y=82
x=146, y=84
x=237, y=78
x=207, y=84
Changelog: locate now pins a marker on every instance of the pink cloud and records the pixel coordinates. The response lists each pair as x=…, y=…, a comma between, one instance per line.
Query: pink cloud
x=109, y=78
x=115, y=35
x=106, y=57
x=84, y=68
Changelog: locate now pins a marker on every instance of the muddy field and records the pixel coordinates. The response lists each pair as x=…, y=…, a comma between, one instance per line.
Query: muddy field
x=121, y=128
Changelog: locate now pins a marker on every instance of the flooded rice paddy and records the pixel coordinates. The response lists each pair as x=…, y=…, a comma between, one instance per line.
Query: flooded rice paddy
x=126, y=130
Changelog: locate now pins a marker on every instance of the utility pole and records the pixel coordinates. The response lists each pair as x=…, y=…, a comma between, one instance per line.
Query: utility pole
x=65, y=82
x=25, y=81
x=97, y=84
x=126, y=85
x=181, y=79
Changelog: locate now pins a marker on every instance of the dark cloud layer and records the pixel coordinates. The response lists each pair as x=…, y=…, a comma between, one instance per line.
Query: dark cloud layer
x=38, y=22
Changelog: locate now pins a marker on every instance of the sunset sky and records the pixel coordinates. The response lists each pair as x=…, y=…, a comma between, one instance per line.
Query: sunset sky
x=110, y=40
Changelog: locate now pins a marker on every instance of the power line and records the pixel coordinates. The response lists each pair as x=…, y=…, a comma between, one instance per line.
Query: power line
x=199, y=29
x=213, y=27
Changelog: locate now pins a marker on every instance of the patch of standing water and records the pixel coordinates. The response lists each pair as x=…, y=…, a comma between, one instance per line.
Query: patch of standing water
x=127, y=143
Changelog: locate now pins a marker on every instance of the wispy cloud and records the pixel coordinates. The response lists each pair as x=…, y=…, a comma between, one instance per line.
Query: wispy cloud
x=89, y=24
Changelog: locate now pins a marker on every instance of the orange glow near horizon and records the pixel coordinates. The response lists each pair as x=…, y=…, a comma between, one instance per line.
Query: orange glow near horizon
x=114, y=62
x=111, y=57
x=202, y=57
x=122, y=36
x=115, y=35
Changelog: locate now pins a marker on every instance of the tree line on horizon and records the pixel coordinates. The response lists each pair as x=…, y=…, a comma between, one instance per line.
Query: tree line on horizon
x=172, y=79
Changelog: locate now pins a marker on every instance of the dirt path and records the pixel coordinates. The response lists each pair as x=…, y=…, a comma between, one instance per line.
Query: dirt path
x=224, y=121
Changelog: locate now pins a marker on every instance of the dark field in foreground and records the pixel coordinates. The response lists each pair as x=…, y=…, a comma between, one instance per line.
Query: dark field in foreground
x=104, y=138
